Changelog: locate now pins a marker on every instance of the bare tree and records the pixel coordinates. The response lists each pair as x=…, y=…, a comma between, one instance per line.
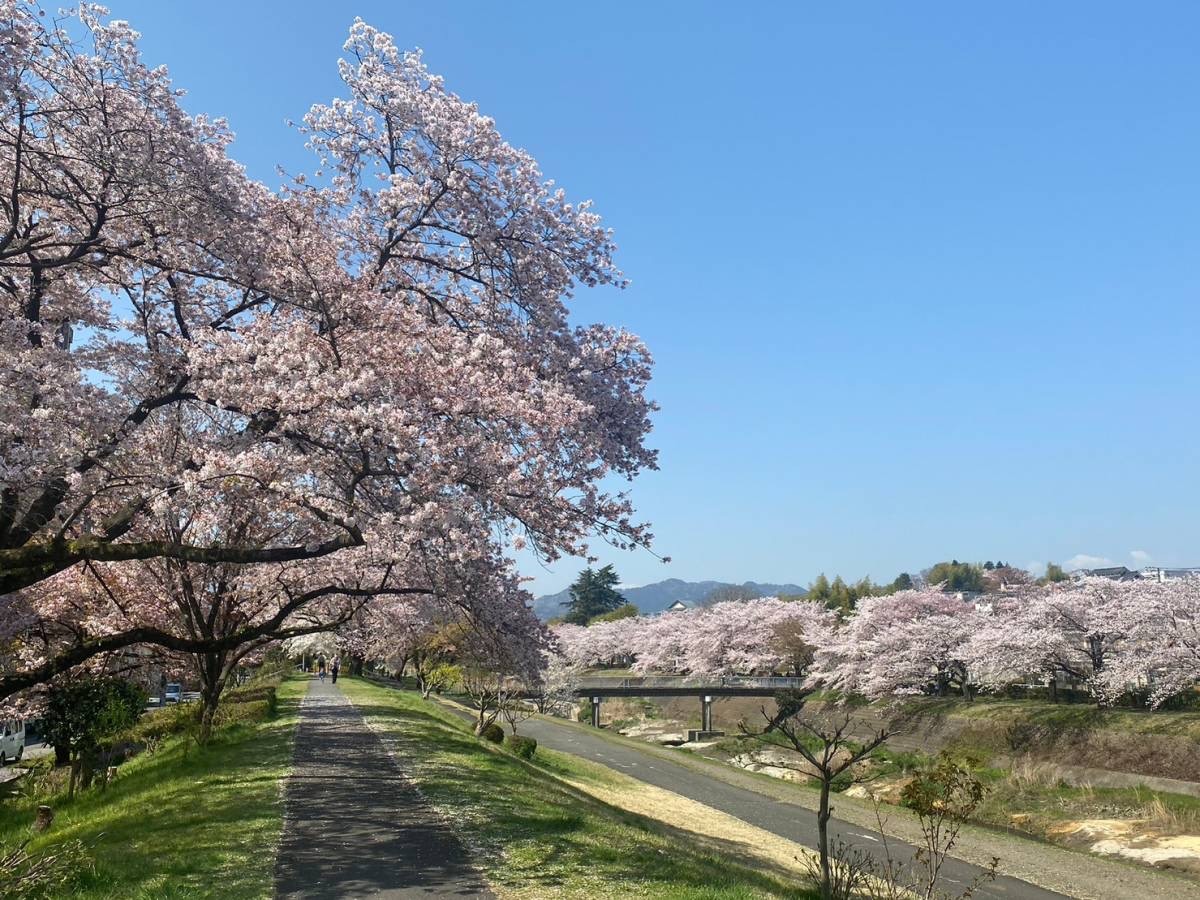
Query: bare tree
x=827, y=745
x=516, y=710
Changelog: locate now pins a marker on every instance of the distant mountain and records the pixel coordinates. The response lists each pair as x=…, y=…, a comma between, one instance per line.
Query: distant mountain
x=654, y=598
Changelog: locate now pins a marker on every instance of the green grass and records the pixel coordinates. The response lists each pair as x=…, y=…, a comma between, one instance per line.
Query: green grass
x=1065, y=716
x=534, y=835
x=181, y=821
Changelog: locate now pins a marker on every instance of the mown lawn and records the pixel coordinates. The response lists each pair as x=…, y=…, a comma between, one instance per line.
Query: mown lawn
x=181, y=821
x=535, y=836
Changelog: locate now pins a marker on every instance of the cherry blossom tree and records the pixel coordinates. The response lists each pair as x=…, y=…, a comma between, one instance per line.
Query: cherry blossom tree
x=378, y=359
x=1160, y=651
x=727, y=638
x=905, y=642
x=1075, y=629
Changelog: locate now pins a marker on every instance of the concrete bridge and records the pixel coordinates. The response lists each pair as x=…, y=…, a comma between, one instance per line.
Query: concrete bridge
x=598, y=687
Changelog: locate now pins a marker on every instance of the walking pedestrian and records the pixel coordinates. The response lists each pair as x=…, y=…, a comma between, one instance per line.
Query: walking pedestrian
x=334, y=670
x=321, y=670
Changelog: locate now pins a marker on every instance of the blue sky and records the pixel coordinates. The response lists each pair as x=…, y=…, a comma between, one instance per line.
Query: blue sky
x=920, y=280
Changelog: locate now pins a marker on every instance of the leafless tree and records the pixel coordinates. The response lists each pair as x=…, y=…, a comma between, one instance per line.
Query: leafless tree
x=829, y=750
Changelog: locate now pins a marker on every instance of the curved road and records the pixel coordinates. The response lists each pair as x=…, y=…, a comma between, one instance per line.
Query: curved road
x=788, y=820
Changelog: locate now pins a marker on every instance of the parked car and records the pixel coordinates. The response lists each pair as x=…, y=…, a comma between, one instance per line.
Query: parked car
x=173, y=693
x=12, y=740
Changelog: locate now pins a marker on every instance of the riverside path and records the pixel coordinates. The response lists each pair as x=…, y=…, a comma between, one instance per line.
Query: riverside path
x=354, y=826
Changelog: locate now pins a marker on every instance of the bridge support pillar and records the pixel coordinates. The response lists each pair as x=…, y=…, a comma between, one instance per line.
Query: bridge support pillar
x=595, y=712
x=706, y=732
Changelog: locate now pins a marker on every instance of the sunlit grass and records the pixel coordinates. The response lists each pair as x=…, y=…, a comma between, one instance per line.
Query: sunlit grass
x=182, y=821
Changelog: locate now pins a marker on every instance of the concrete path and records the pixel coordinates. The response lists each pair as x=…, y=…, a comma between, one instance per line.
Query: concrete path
x=354, y=826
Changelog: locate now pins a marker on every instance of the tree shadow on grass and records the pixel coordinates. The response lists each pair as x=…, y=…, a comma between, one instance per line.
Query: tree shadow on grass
x=532, y=829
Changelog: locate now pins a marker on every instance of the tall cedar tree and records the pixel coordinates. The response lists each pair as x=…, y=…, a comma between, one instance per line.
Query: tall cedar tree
x=593, y=593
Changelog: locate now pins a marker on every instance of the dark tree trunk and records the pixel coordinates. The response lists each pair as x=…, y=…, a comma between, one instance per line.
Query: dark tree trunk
x=356, y=665
x=214, y=675
x=823, y=814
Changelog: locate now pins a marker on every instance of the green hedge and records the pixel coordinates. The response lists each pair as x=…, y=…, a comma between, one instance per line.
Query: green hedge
x=493, y=733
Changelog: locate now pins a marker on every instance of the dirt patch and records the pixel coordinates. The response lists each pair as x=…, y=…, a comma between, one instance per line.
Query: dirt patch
x=885, y=790
x=655, y=731
x=776, y=763
x=1131, y=840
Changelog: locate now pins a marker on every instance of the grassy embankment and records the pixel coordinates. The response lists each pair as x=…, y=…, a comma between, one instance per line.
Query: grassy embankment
x=539, y=829
x=1019, y=744
x=179, y=820
x=1022, y=750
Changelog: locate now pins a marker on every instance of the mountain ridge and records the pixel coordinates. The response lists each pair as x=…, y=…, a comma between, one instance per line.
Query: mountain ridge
x=656, y=597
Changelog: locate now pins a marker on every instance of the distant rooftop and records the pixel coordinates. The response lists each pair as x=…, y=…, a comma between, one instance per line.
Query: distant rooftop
x=1149, y=573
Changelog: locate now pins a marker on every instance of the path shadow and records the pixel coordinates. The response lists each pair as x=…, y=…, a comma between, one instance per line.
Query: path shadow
x=354, y=826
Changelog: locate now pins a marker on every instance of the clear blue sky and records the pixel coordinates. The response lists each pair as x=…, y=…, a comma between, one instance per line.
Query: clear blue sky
x=920, y=280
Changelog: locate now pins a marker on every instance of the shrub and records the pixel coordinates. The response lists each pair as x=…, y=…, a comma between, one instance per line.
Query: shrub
x=161, y=723
x=492, y=732
x=522, y=746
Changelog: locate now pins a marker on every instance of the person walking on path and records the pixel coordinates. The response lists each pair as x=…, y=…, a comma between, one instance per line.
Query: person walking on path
x=333, y=671
x=321, y=669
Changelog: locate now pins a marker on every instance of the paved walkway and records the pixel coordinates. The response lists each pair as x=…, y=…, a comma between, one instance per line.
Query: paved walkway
x=354, y=826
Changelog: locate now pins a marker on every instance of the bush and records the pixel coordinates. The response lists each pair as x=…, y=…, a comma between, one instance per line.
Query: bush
x=161, y=723
x=493, y=733
x=522, y=746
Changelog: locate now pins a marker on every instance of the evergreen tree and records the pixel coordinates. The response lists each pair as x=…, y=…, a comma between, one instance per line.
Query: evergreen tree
x=593, y=593
x=819, y=589
x=956, y=576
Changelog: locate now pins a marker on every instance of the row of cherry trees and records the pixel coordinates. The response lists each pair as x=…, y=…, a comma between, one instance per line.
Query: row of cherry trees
x=230, y=415
x=1109, y=637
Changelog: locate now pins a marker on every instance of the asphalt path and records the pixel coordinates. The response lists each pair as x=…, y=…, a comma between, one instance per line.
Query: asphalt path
x=354, y=825
x=788, y=820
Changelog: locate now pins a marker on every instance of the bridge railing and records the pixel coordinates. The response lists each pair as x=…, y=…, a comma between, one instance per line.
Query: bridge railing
x=767, y=682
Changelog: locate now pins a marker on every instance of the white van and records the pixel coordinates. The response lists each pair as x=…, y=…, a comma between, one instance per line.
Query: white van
x=12, y=740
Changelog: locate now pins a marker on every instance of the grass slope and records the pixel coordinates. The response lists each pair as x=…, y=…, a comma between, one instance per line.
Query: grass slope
x=182, y=821
x=534, y=835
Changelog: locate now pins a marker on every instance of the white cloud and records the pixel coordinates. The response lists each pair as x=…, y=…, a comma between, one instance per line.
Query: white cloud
x=1141, y=556
x=1086, y=561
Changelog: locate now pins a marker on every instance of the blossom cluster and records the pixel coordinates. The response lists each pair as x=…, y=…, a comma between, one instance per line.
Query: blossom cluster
x=1107, y=637
x=229, y=413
